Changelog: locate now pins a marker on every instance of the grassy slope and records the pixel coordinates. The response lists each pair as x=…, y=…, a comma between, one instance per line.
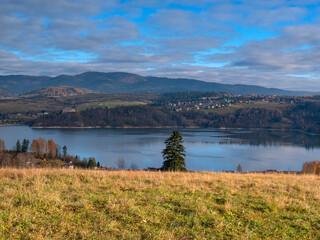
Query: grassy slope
x=75, y=204
x=235, y=107
x=82, y=102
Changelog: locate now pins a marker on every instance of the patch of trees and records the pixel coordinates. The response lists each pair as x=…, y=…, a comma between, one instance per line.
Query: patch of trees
x=311, y=168
x=41, y=153
x=18, y=157
x=22, y=148
x=42, y=148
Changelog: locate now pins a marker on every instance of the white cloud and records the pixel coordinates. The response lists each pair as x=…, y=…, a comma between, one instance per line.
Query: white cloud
x=164, y=38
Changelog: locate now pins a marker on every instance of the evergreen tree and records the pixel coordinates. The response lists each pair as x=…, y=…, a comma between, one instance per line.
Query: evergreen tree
x=174, y=153
x=18, y=146
x=64, y=149
x=25, y=145
x=92, y=163
x=239, y=168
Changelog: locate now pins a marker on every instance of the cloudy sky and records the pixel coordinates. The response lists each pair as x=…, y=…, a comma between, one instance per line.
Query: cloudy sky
x=272, y=43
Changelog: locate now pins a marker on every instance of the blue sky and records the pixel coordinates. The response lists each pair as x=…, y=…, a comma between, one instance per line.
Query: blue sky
x=265, y=42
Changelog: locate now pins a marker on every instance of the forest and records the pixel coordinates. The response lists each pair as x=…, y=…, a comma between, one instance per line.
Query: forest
x=303, y=116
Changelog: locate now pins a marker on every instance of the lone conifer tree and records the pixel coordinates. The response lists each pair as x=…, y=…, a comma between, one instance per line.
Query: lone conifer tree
x=239, y=168
x=174, y=153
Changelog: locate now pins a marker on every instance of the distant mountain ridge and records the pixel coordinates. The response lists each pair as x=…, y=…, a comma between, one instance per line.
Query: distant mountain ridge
x=123, y=82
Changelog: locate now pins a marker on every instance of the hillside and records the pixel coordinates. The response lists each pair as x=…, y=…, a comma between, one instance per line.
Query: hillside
x=303, y=117
x=78, y=204
x=122, y=82
x=60, y=91
x=4, y=94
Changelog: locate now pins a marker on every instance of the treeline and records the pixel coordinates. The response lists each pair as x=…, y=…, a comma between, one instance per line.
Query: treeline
x=136, y=116
x=149, y=116
x=41, y=153
x=303, y=117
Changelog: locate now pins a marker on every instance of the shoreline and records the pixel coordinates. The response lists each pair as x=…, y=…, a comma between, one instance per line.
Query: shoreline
x=162, y=127
x=175, y=127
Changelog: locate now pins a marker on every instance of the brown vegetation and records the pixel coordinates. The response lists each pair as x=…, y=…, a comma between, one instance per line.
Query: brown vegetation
x=311, y=167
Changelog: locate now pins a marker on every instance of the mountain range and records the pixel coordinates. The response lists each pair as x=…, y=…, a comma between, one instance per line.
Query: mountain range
x=123, y=82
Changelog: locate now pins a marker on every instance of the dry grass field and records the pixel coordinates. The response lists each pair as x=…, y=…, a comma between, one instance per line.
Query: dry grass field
x=38, y=104
x=80, y=204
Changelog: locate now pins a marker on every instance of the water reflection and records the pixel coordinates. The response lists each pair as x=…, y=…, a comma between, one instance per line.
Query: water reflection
x=207, y=149
x=273, y=138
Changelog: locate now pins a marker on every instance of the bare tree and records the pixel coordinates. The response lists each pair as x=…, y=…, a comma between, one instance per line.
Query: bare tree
x=2, y=146
x=134, y=167
x=21, y=160
x=121, y=163
x=51, y=149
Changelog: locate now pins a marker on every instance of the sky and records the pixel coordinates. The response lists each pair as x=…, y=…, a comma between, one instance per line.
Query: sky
x=271, y=43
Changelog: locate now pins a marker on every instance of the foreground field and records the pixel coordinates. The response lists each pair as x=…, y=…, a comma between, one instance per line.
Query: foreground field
x=79, y=204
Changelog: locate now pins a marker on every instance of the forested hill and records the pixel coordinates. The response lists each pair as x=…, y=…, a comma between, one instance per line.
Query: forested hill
x=122, y=82
x=303, y=116
x=60, y=91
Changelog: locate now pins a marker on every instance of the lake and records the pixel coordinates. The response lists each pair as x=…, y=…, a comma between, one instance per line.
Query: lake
x=206, y=149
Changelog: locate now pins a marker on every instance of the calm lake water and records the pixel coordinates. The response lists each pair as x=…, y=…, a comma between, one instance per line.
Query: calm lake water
x=207, y=149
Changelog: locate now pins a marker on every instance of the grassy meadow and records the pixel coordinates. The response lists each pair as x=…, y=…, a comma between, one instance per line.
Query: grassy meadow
x=84, y=204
